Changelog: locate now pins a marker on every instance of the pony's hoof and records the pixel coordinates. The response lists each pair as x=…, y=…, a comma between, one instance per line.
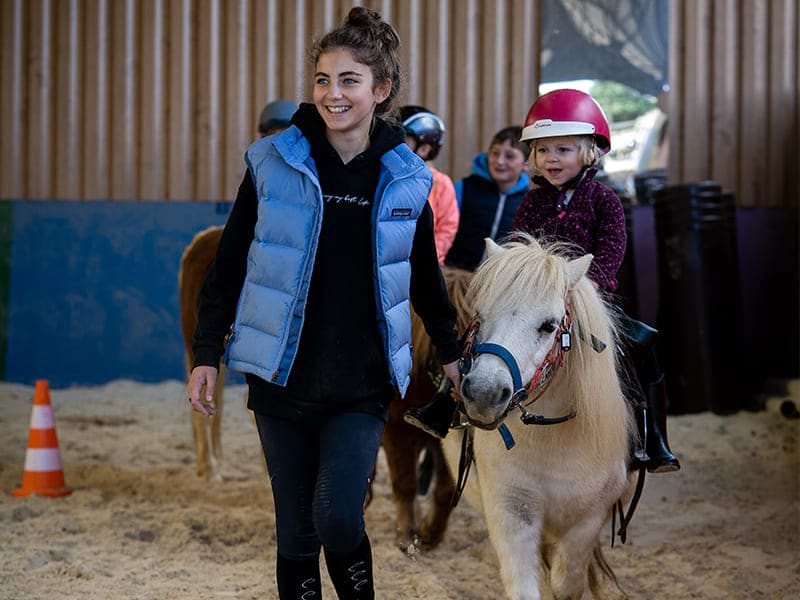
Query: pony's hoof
x=405, y=539
x=209, y=474
x=413, y=551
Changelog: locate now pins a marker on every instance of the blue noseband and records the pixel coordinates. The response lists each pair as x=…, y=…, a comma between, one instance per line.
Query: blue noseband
x=506, y=356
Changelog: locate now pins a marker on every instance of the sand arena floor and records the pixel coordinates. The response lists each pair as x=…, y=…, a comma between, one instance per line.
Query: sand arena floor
x=141, y=525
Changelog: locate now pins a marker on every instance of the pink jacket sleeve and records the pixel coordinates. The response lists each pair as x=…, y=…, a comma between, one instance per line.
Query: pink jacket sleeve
x=445, y=212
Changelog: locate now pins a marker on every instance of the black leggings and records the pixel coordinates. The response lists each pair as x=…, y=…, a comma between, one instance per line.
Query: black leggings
x=320, y=474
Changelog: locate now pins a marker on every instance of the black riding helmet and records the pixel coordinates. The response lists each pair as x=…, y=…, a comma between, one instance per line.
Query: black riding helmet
x=424, y=126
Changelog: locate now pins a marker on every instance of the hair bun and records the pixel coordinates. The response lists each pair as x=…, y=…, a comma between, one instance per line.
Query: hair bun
x=360, y=16
x=371, y=20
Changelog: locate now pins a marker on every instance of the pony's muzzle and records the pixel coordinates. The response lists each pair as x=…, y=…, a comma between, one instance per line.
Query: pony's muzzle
x=485, y=404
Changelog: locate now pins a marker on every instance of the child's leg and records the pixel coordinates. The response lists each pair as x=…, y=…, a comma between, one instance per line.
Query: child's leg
x=662, y=460
x=641, y=337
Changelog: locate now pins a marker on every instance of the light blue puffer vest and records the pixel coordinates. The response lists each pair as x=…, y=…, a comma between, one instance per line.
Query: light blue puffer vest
x=269, y=317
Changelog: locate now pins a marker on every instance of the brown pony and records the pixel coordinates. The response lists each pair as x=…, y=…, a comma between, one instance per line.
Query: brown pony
x=195, y=264
x=403, y=443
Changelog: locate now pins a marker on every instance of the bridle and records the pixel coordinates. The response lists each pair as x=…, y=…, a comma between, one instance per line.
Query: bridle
x=525, y=395
x=522, y=395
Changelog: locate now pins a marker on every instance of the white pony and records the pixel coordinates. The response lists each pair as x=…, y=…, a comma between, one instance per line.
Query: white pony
x=546, y=499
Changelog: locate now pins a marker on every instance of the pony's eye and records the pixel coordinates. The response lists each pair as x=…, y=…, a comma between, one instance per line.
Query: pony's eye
x=548, y=326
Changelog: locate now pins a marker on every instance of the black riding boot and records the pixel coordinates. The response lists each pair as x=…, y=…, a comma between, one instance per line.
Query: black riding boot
x=437, y=415
x=661, y=458
x=298, y=579
x=351, y=574
x=651, y=408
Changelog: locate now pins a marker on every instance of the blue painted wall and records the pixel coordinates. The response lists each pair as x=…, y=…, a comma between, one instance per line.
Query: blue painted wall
x=93, y=289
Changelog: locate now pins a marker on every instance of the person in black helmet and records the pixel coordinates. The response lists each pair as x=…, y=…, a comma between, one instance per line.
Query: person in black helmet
x=276, y=116
x=424, y=135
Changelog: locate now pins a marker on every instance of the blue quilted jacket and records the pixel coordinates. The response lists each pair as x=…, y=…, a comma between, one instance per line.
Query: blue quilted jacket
x=269, y=316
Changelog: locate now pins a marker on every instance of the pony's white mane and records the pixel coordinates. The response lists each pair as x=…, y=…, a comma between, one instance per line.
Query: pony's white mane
x=527, y=273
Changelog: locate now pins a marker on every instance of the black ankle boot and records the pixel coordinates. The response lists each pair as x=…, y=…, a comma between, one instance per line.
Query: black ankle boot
x=351, y=574
x=298, y=579
x=661, y=458
x=435, y=417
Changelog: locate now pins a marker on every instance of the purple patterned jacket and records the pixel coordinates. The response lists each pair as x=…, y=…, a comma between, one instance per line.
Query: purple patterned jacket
x=593, y=220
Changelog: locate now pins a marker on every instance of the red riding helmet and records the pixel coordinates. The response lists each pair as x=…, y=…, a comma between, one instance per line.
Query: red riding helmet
x=567, y=112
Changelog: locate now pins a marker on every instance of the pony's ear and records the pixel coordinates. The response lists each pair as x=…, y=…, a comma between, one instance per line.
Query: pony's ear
x=492, y=248
x=578, y=268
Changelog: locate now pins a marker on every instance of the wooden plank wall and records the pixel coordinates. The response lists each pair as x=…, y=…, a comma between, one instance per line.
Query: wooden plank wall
x=734, y=100
x=158, y=99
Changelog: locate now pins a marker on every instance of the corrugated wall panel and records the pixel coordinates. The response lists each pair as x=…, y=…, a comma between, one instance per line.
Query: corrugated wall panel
x=494, y=68
x=41, y=100
x=158, y=99
x=125, y=97
x=181, y=122
x=438, y=74
x=210, y=99
x=754, y=88
x=239, y=117
x=13, y=113
x=734, y=101
x=465, y=110
x=783, y=133
x=96, y=152
x=525, y=38
x=154, y=99
x=675, y=106
x=292, y=50
x=725, y=135
x=697, y=106
x=68, y=131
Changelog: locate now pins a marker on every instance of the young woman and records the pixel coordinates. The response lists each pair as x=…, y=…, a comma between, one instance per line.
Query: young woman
x=329, y=238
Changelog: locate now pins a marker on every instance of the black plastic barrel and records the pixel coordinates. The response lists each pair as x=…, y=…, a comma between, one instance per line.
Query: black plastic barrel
x=647, y=183
x=699, y=308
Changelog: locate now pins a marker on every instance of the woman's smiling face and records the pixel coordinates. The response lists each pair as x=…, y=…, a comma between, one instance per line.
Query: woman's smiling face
x=345, y=93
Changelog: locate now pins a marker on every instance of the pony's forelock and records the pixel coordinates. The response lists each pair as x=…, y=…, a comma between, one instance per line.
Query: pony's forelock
x=525, y=271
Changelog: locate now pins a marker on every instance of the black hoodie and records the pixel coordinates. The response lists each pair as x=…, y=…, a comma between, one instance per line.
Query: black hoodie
x=340, y=363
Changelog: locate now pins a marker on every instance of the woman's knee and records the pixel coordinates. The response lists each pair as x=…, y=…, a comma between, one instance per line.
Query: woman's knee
x=339, y=530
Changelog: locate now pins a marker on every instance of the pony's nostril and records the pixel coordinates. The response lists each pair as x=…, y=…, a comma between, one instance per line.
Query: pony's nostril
x=465, y=386
x=505, y=394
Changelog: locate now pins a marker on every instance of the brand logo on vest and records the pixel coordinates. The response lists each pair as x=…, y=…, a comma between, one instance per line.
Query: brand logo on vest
x=401, y=212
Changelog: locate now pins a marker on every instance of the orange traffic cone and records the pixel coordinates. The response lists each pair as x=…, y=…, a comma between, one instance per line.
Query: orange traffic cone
x=43, y=472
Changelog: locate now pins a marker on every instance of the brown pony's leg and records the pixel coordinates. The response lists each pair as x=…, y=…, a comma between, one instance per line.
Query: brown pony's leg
x=195, y=264
x=435, y=523
x=216, y=427
x=402, y=444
